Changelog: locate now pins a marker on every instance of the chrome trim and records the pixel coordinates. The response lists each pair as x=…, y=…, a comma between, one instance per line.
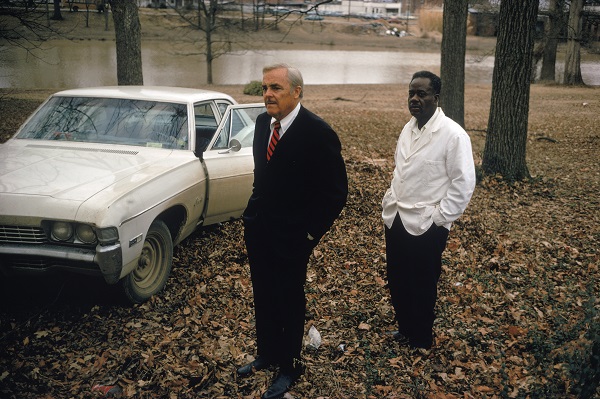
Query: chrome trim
x=22, y=234
x=107, y=259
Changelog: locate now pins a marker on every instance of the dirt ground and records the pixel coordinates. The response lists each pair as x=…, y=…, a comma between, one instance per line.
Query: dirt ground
x=518, y=308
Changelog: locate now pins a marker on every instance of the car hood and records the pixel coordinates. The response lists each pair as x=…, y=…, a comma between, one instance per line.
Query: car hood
x=71, y=171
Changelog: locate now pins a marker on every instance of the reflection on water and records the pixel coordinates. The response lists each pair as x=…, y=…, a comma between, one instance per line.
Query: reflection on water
x=65, y=64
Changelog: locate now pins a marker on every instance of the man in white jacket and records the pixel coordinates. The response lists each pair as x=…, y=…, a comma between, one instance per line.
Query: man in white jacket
x=433, y=181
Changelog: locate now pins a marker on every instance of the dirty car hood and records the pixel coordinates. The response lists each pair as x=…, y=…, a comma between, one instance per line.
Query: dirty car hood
x=74, y=171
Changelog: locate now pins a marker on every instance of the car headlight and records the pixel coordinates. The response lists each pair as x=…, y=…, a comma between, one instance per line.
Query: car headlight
x=85, y=234
x=62, y=231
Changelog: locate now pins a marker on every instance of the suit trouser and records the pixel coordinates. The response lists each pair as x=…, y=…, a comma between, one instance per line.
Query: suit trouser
x=278, y=273
x=414, y=266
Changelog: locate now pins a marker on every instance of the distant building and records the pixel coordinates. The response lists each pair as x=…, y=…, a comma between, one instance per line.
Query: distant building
x=343, y=7
x=365, y=8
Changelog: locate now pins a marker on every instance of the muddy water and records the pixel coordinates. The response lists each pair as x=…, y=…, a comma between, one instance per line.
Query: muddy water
x=66, y=64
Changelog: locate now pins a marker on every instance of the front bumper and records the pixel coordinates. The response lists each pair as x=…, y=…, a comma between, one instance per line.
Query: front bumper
x=43, y=258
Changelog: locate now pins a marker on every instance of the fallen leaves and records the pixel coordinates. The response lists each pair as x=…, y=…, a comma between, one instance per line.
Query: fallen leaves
x=517, y=301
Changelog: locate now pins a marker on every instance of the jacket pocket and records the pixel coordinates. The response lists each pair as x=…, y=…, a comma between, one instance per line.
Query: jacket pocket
x=435, y=173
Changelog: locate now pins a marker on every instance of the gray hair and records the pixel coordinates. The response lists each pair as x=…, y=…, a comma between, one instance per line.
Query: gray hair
x=294, y=76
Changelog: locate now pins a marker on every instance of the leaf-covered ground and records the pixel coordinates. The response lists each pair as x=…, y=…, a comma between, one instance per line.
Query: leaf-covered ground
x=518, y=299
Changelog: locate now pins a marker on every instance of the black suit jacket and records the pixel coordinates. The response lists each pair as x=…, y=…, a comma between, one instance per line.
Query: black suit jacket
x=303, y=188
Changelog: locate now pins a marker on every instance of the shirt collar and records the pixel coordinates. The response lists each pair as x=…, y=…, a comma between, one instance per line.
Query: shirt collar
x=431, y=122
x=287, y=121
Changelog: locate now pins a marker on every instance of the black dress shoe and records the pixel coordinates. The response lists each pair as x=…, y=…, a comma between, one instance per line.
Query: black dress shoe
x=281, y=385
x=400, y=338
x=404, y=341
x=258, y=364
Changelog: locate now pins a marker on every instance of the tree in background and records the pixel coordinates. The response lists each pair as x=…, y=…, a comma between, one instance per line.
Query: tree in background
x=216, y=33
x=555, y=24
x=57, y=16
x=128, y=42
x=505, y=144
x=573, y=53
x=23, y=26
x=452, y=70
x=221, y=35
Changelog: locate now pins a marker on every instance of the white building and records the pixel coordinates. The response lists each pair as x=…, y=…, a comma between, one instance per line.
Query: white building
x=362, y=7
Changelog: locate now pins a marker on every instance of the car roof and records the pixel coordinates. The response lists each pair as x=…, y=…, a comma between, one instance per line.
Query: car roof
x=150, y=93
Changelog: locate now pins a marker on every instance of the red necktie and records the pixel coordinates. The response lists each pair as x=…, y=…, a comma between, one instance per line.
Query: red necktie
x=274, y=140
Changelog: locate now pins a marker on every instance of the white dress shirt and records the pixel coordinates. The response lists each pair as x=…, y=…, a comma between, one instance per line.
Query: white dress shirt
x=434, y=177
x=285, y=122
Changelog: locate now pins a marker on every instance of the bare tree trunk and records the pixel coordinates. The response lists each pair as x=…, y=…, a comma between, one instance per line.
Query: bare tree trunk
x=209, y=57
x=242, y=14
x=128, y=41
x=548, y=72
x=505, y=144
x=106, y=7
x=256, y=13
x=87, y=14
x=57, y=16
x=573, y=54
x=211, y=26
x=454, y=45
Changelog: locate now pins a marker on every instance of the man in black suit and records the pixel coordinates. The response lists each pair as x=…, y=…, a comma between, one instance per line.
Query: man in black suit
x=300, y=188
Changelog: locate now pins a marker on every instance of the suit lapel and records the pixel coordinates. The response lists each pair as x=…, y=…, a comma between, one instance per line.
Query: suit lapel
x=423, y=140
x=406, y=141
x=287, y=137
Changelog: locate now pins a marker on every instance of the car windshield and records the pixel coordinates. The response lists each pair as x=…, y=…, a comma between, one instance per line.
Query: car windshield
x=110, y=120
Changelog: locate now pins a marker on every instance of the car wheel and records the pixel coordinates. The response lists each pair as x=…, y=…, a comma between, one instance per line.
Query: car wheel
x=154, y=265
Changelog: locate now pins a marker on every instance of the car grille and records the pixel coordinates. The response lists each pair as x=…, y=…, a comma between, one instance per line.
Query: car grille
x=22, y=235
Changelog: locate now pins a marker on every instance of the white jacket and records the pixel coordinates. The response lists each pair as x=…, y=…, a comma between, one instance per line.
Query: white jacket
x=433, y=182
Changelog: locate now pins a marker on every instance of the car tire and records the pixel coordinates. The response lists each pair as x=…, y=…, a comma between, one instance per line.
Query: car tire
x=154, y=265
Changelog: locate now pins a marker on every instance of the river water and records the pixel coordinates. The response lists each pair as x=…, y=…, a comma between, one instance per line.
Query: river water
x=68, y=64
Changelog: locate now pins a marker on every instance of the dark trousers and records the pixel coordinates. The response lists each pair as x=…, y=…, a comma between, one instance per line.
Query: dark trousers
x=278, y=278
x=414, y=265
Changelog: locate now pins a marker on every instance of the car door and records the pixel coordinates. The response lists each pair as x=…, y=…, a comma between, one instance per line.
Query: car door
x=230, y=164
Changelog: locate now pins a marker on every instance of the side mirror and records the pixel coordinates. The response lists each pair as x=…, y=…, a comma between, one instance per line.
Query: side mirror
x=234, y=146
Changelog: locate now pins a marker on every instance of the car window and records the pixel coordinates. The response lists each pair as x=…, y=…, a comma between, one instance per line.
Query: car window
x=222, y=105
x=206, y=124
x=239, y=124
x=110, y=120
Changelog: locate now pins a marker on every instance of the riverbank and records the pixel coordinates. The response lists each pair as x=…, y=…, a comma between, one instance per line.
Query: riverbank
x=291, y=33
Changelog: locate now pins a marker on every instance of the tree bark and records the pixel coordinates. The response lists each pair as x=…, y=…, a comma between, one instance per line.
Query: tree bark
x=505, y=145
x=209, y=56
x=452, y=71
x=128, y=42
x=105, y=11
x=555, y=22
x=57, y=16
x=573, y=53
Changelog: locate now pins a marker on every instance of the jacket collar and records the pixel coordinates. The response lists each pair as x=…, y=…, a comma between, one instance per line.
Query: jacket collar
x=433, y=125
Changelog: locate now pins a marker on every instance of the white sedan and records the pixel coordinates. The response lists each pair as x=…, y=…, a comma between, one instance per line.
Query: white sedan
x=107, y=180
